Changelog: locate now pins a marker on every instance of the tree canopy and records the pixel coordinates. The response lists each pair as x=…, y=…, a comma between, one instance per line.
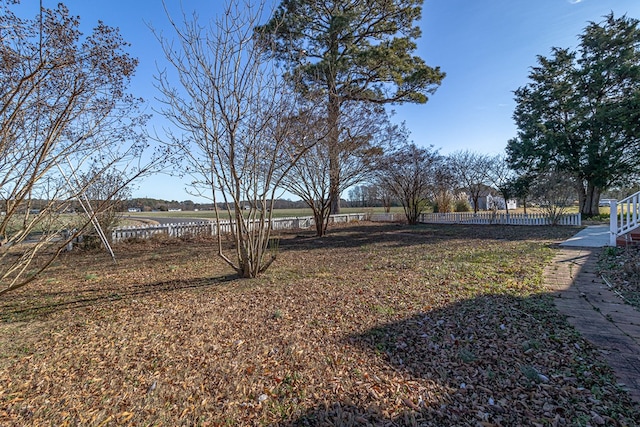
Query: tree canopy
x=365, y=134
x=64, y=107
x=351, y=51
x=472, y=171
x=580, y=112
x=237, y=118
x=409, y=174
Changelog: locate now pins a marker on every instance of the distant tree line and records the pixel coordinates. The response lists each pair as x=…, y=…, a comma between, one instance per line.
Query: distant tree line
x=146, y=204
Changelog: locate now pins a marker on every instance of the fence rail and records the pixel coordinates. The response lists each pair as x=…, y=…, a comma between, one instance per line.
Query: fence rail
x=211, y=228
x=388, y=217
x=498, y=218
x=624, y=217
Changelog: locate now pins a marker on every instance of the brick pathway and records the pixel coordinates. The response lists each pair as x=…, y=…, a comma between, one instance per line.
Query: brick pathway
x=596, y=312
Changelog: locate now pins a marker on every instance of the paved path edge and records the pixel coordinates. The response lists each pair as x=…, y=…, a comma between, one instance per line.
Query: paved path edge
x=596, y=312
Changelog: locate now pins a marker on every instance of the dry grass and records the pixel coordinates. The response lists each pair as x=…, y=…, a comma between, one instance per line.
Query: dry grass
x=372, y=325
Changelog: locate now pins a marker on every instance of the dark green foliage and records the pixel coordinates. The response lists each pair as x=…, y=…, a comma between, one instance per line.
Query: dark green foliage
x=359, y=50
x=350, y=51
x=462, y=206
x=580, y=113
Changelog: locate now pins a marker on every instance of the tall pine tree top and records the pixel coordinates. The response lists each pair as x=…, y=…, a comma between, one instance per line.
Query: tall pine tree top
x=359, y=50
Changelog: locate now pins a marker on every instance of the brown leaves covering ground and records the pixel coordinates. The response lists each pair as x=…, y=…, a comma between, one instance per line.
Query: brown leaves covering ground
x=372, y=325
x=620, y=268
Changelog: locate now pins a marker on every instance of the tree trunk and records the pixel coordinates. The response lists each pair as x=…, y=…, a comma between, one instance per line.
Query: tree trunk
x=475, y=199
x=321, y=222
x=245, y=257
x=334, y=154
x=592, y=201
x=410, y=213
x=582, y=198
x=333, y=118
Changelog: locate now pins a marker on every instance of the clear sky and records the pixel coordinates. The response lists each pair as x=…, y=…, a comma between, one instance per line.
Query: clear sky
x=486, y=47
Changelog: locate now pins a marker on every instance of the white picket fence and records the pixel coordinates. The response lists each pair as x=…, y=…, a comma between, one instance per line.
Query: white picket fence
x=626, y=218
x=210, y=228
x=388, y=217
x=497, y=218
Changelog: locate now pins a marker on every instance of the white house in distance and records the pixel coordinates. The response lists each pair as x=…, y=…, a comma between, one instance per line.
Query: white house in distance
x=498, y=202
x=490, y=199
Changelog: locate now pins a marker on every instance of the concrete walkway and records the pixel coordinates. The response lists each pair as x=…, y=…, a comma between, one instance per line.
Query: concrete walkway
x=593, y=236
x=596, y=312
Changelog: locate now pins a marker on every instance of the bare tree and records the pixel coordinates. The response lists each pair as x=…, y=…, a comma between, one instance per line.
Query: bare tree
x=364, y=135
x=503, y=177
x=63, y=105
x=472, y=173
x=233, y=111
x=444, y=181
x=385, y=195
x=365, y=195
x=555, y=191
x=356, y=194
x=408, y=173
x=309, y=180
x=105, y=193
x=371, y=195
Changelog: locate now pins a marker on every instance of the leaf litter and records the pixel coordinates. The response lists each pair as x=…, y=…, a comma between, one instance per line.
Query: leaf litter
x=381, y=325
x=620, y=268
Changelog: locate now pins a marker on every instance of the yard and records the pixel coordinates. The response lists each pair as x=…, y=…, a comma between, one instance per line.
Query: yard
x=371, y=325
x=207, y=215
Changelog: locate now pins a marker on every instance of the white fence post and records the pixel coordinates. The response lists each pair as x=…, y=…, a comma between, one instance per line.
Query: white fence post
x=490, y=218
x=613, y=222
x=224, y=226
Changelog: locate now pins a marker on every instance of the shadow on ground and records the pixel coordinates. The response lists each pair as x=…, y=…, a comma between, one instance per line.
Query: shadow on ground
x=402, y=235
x=329, y=355
x=65, y=300
x=340, y=237
x=489, y=361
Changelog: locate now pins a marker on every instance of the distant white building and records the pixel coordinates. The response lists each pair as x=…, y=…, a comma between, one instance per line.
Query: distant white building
x=491, y=199
x=498, y=202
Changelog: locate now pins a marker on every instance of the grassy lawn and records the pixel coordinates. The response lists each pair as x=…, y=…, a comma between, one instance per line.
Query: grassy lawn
x=277, y=213
x=372, y=325
x=282, y=213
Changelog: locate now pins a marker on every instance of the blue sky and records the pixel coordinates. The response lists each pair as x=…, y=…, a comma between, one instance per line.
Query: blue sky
x=486, y=47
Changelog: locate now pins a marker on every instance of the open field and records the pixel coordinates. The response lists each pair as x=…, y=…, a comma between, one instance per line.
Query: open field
x=372, y=325
x=277, y=213
x=129, y=218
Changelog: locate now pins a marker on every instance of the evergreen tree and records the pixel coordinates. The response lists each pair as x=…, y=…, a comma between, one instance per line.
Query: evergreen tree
x=346, y=51
x=580, y=114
